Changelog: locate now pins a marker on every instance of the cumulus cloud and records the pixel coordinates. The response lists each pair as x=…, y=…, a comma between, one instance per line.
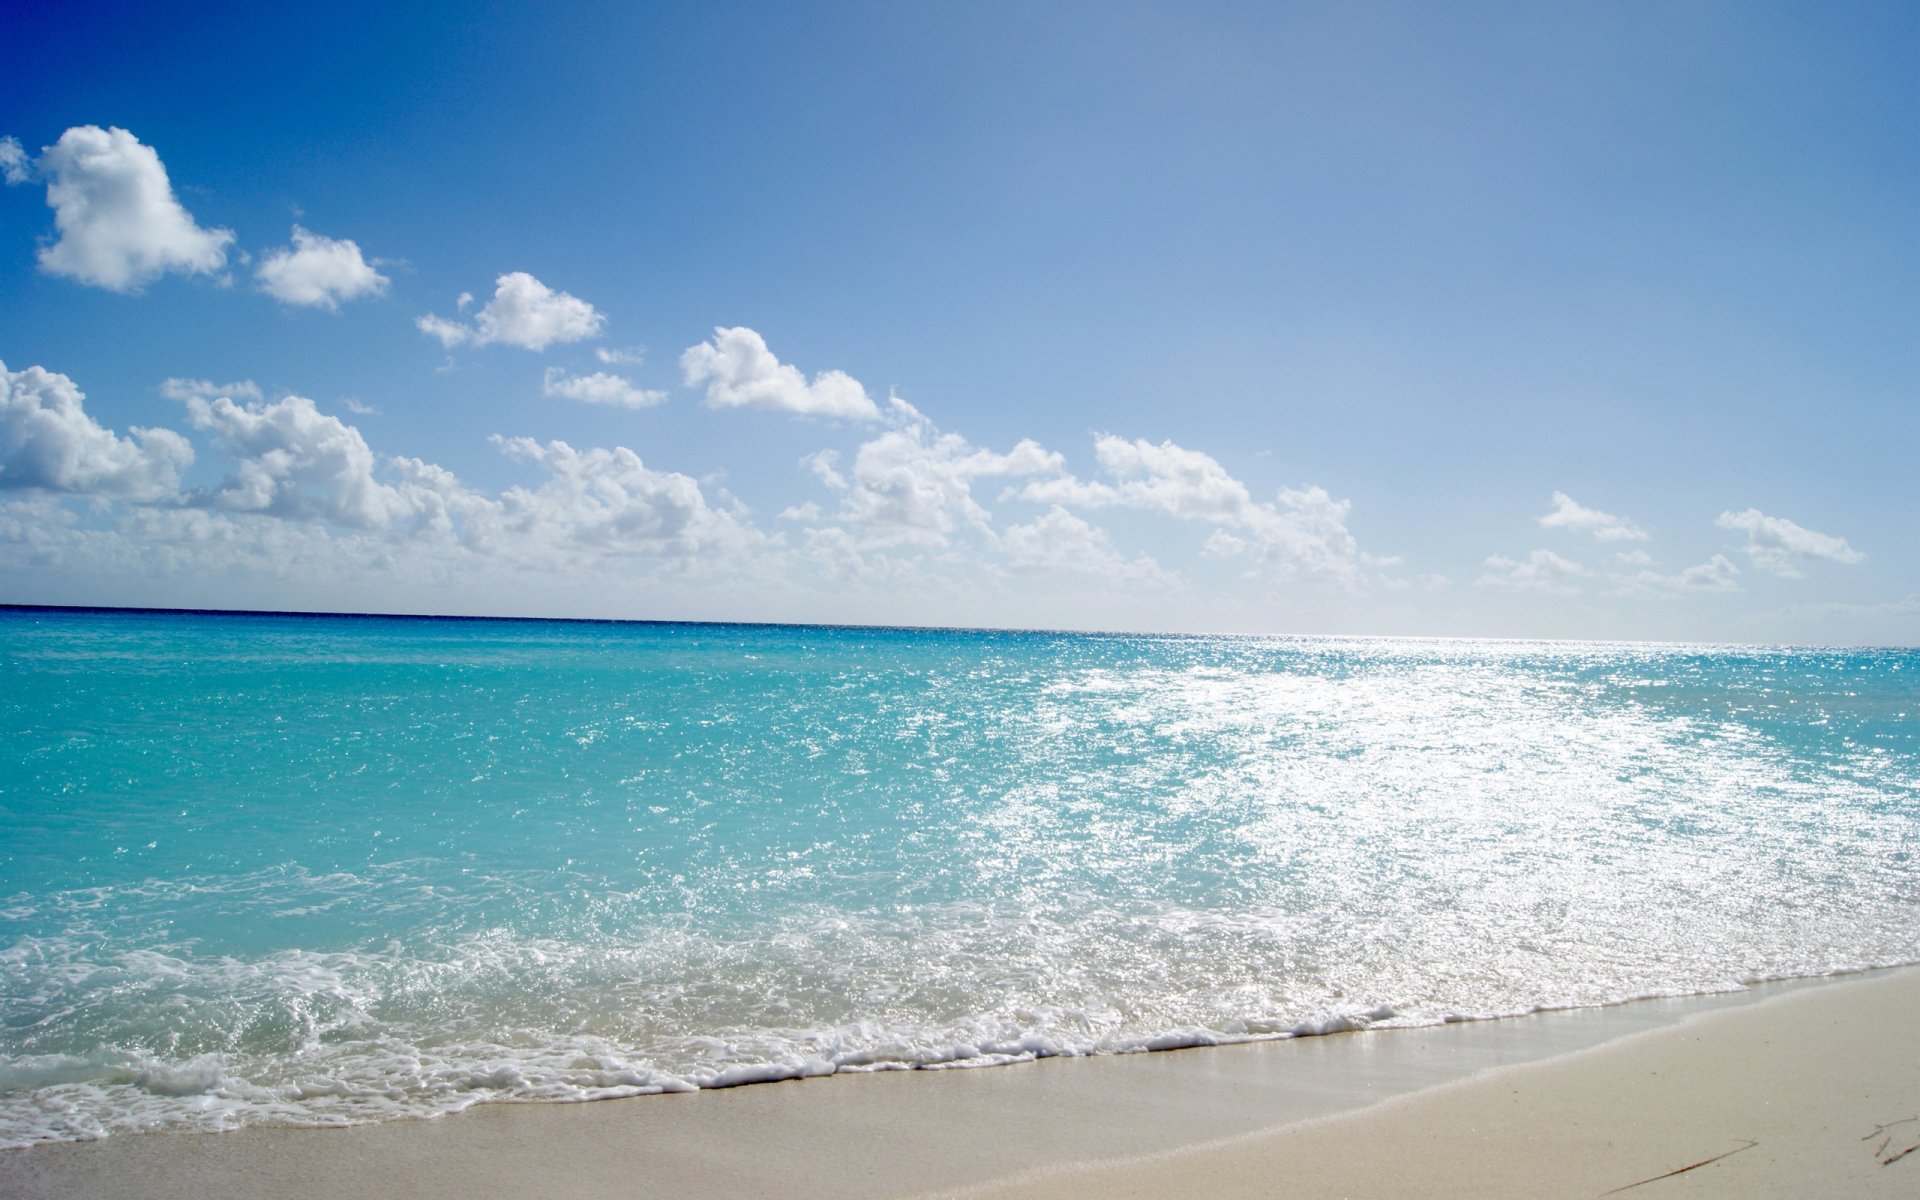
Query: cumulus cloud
x=1165, y=478
x=49, y=443
x=523, y=312
x=1717, y=574
x=1778, y=545
x=597, y=388
x=1541, y=571
x=1570, y=514
x=915, y=484
x=1058, y=540
x=631, y=356
x=609, y=501
x=118, y=223
x=825, y=469
x=293, y=460
x=319, y=272
x=305, y=493
x=1302, y=530
x=740, y=372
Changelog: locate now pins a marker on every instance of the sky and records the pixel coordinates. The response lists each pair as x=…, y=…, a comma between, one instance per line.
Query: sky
x=1513, y=320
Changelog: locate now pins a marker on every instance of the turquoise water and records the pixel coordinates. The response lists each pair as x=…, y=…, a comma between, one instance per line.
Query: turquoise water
x=324, y=870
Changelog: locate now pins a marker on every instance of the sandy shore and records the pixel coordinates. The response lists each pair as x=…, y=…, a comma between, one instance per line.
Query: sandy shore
x=1783, y=1087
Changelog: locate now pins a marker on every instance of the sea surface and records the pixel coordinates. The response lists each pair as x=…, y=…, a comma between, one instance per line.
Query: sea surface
x=316, y=871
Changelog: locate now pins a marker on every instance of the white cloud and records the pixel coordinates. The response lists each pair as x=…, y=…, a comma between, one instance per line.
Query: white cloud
x=307, y=498
x=318, y=271
x=1570, y=514
x=1306, y=531
x=450, y=333
x=1717, y=574
x=119, y=225
x=523, y=312
x=1057, y=540
x=1221, y=544
x=1301, y=531
x=15, y=167
x=597, y=388
x=632, y=356
x=914, y=484
x=206, y=389
x=1633, y=558
x=48, y=442
x=823, y=468
x=740, y=372
x=608, y=501
x=1543, y=571
x=1778, y=545
x=800, y=512
x=1165, y=478
x=295, y=461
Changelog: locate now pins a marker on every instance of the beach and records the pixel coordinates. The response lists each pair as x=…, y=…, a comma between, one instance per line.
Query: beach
x=1806, y=1088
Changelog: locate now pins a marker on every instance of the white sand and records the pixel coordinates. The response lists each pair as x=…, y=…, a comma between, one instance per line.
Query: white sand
x=1564, y=1104
x=1796, y=1097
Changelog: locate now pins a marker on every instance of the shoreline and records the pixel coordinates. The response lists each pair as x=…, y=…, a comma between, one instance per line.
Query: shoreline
x=1219, y=1120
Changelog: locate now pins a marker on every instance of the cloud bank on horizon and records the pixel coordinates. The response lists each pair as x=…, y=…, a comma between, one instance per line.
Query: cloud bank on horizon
x=736, y=480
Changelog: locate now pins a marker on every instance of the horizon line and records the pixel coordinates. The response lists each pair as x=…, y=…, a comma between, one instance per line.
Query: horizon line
x=347, y=615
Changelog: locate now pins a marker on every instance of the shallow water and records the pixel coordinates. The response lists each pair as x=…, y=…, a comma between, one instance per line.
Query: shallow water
x=314, y=871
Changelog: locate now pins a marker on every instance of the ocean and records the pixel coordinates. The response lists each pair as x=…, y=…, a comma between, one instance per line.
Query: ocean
x=327, y=870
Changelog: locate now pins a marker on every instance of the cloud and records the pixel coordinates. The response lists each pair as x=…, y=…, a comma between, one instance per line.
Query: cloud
x=1165, y=478
x=307, y=498
x=1301, y=531
x=1633, y=558
x=319, y=272
x=609, y=501
x=631, y=356
x=823, y=468
x=597, y=388
x=1543, y=571
x=1306, y=531
x=206, y=389
x=740, y=372
x=1717, y=574
x=49, y=443
x=1778, y=545
x=15, y=167
x=292, y=460
x=800, y=512
x=1057, y=541
x=915, y=484
x=119, y=225
x=1898, y=632
x=523, y=312
x=1221, y=544
x=1570, y=514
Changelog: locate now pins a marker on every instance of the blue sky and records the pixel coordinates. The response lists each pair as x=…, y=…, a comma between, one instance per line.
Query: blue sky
x=1532, y=320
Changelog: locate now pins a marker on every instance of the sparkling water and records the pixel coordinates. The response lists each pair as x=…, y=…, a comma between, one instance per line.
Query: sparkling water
x=328, y=870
